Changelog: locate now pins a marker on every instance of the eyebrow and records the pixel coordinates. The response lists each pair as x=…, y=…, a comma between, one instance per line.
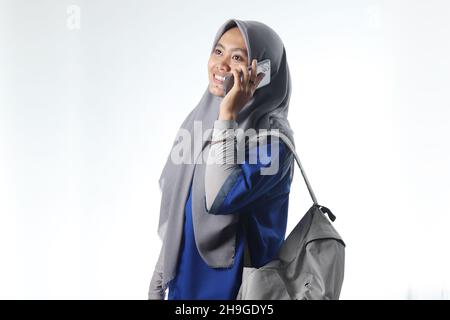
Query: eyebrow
x=233, y=49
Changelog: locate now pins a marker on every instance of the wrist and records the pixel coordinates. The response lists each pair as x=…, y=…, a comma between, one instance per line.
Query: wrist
x=226, y=115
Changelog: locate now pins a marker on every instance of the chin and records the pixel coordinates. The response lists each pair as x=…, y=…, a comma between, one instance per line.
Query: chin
x=213, y=89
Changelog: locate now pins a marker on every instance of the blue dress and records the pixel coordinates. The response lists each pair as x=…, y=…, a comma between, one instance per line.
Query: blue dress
x=263, y=201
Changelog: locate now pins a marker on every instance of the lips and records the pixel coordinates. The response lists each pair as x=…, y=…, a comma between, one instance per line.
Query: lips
x=215, y=80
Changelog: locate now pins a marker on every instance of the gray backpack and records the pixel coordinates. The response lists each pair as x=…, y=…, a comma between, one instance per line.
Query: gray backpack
x=310, y=263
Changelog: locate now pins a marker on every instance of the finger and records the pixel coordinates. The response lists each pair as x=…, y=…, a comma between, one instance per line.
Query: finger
x=237, y=79
x=261, y=75
x=253, y=75
x=245, y=76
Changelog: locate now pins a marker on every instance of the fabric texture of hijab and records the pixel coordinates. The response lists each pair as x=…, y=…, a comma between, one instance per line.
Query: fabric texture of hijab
x=215, y=235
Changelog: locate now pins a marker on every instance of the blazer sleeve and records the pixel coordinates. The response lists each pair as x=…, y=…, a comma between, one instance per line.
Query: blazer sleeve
x=229, y=185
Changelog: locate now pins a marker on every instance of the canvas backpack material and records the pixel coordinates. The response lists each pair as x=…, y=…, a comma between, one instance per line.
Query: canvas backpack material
x=310, y=263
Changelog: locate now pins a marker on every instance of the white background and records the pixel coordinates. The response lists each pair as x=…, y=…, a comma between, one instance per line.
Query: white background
x=87, y=116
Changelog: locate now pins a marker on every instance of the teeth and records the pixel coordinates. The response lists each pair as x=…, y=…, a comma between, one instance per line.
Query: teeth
x=219, y=77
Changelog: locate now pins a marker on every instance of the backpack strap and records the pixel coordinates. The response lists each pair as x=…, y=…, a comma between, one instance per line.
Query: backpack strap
x=289, y=144
x=287, y=141
x=297, y=158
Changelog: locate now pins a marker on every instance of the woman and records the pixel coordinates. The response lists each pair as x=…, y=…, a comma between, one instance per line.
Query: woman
x=211, y=210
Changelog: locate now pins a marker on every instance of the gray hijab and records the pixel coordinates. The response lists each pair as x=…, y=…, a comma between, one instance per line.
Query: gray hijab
x=268, y=109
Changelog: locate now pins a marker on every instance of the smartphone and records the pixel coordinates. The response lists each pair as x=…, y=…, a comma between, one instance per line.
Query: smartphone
x=262, y=66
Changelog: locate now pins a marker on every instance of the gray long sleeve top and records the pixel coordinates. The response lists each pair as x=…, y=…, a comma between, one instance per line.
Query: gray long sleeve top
x=221, y=159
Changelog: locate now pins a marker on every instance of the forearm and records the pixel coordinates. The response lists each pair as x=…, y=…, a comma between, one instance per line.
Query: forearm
x=221, y=159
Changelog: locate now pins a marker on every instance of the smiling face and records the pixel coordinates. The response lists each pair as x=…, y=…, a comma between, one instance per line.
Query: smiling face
x=229, y=52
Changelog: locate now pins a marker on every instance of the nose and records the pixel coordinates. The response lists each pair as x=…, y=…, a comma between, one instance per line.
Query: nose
x=222, y=66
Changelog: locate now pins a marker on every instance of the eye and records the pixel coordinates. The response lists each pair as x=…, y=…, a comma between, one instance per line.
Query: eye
x=216, y=50
x=240, y=58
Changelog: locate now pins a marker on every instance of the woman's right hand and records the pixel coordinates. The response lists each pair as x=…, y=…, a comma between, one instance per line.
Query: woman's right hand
x=241, y=92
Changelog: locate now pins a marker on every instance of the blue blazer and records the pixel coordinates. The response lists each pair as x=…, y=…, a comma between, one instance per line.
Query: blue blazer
x=260, y=199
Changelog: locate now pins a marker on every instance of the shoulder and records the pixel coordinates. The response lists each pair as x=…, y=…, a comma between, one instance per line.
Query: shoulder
x=271, y=149
x=272, y=153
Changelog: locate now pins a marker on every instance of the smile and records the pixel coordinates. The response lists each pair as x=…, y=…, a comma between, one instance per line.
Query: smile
x=218, y=79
